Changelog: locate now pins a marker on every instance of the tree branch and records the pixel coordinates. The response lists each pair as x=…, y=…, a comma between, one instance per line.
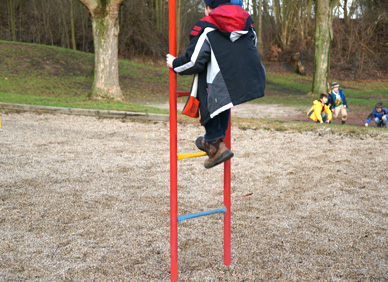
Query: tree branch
x=116, y=2
x=90, y=4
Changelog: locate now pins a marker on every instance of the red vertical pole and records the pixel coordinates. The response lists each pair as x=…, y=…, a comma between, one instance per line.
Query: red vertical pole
x=173, y=147
x=227, y=216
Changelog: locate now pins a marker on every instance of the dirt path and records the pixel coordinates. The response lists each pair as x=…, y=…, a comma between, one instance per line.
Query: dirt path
x=251, y=110
x=276, y=111
x=86, y=199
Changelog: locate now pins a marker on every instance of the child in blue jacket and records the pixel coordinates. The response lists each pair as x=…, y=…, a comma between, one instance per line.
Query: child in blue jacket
x=337, y=101
x=379, y=115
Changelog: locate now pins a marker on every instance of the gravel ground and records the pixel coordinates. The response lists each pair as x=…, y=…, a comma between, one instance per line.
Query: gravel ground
x=86, y=199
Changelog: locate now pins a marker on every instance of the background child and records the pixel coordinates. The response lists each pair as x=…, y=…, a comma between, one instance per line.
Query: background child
x=320, y=111
x=379, y=114
x=227, y=70
x=337, y=101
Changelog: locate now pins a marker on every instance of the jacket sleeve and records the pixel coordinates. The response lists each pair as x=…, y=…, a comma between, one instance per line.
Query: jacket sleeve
x=317, y=111
x=328, y=111
x=344, y=98
x=196, y=58
x=253, y=34
x=331, y=101
x=369, y=118
x=251, y=30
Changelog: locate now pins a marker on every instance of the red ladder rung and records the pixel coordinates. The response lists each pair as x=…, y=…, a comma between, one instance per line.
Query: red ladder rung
x=182, y=93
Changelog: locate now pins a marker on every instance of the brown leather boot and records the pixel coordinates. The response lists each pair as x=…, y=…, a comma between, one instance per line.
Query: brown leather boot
x=217, y=152
x=202, y=145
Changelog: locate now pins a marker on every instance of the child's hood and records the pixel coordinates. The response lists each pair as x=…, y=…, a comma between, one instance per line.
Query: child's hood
x=231, y=20
x=316, y=102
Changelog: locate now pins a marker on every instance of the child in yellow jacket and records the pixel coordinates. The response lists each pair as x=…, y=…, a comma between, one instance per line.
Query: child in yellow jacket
x=320, y=111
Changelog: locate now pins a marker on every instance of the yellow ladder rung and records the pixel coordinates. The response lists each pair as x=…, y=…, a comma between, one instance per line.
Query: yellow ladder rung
x=191, y=155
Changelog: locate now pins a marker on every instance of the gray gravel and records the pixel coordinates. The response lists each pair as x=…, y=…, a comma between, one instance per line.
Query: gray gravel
x=87, y=199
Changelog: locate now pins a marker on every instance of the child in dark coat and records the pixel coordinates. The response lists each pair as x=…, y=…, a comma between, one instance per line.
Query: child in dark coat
x=227, y=70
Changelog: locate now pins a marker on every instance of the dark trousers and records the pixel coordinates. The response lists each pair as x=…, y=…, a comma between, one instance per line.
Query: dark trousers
x=217, y=126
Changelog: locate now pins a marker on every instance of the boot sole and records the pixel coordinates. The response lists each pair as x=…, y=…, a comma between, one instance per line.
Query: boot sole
x=227, y=155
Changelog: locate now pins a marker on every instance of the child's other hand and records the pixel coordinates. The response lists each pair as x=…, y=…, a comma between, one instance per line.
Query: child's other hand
x=328, y=121
x=366, y=125
x=321, y=121
x=169, y=59
x=384, y=117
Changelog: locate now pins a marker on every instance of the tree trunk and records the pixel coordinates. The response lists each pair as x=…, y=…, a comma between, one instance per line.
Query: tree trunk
x=346, y=14
x=12, y=17
x=164, y=15
x=259, y=28
x=83, y=23
x=257, y=17
x=321, y=47
x=106, y=72
x=105, y=35
x=158, y=15
x=66, y=38
x=322, y=40
x=254, y=11
x=275, y=5
x=74, y=45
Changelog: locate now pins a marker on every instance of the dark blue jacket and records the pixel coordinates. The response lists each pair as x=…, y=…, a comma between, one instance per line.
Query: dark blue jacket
x=223, y=57
x=332, y=98
x=376, y=114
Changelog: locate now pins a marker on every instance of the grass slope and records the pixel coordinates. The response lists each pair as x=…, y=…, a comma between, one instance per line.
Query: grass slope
x=44, y=75
x=51, y=76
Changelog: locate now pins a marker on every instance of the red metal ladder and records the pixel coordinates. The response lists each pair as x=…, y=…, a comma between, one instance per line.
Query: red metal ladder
x=174, y=156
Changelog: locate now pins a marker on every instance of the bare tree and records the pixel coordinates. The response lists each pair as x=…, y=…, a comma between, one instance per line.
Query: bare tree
x=304, y=11
x=105, y=24
x=257, y=16
x=285, y=21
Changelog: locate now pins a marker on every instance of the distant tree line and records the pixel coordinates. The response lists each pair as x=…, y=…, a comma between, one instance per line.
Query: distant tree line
x=358, y=25
x=67, y=23
x=283, y=27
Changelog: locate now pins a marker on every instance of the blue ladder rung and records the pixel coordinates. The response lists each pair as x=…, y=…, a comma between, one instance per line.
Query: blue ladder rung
x=198, y=214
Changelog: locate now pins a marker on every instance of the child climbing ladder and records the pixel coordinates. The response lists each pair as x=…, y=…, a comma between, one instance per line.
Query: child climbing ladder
x=235, y=77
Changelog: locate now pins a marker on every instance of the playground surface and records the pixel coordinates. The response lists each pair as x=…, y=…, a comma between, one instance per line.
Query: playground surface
x=87, y=199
